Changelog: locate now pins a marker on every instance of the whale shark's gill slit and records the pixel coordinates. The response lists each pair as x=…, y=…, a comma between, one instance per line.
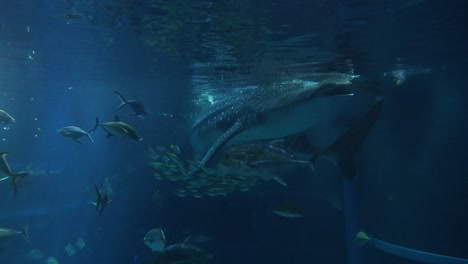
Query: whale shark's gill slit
x=221, y=141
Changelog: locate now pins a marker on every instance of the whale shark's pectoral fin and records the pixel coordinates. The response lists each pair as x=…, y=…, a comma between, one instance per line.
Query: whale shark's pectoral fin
x=221, y=141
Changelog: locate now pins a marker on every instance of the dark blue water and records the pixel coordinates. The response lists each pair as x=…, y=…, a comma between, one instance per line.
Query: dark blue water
x=60, y=62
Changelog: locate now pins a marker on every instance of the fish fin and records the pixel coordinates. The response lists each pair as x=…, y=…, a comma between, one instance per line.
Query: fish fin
x=109, y=135
x=221, y=141
x=77, y=140
x=25, y=233
x=122, y=100
x=89, y=135
x=4, y=167
x=116, y=118
x=93, y=203
x=15, y=178
x=187, y=240
x=280, y=180
x=163, y=237
x=345, y=164
x=95, y=126
x=345, y=147
x=312, y=167
x=277, y=142
x=98, y=200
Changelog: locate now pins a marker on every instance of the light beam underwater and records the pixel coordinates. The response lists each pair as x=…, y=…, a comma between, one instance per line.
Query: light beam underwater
x=408, y=253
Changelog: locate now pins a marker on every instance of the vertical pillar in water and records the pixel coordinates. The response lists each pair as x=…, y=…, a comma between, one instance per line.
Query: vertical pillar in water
x=351, y=219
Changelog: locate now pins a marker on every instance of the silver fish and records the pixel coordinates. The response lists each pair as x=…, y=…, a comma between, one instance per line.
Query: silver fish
x=5, y=118
x=182, y=253
x=155, y=239
x=76, y=133
x=137, y=105
x=288, y=210
x=7, y=234
x=120, y=129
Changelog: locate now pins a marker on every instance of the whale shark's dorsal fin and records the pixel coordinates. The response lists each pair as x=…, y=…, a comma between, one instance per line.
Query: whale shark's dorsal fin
x=221, y=141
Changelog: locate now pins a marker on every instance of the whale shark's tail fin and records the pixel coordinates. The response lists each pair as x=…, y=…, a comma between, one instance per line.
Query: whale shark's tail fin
x=346, y=146
x=344, y=149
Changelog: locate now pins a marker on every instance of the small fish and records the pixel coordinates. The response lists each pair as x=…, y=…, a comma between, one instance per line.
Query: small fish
x=119, y=128
x=35, y=254
x=102, y=199
x=5, y=118
x=80, y=244
x=7, y=234
x=182, y=253
x=137, y=105
x=76, y=133
x=288, y=210
x=160, y=148
x=51, y=260
x=5, y=170
x=175, y=148
x=70, y=249
x=155, y=239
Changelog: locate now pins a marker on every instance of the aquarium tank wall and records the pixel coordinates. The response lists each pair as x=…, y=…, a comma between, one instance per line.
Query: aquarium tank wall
x=223, y=131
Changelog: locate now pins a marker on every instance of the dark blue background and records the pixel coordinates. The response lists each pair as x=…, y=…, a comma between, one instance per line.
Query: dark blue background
x=413, y=172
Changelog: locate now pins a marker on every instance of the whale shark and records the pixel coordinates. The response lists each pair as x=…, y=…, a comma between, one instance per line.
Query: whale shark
x=268, y=112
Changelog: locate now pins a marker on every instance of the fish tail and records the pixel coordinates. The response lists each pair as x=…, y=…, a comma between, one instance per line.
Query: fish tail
x=25, y=233
x=122, y=100
x=345, y=147
x=313, y=160
x=15, y=178
x=95, y=126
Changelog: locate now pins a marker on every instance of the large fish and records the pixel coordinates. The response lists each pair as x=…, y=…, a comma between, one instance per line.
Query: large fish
x=7, y=234
x=119, y=128
x=137, y=105
x=103, y=195
x=264, y=158
x=182, y=253
x=5, y=118
x=76, y=133
x=5, y=170
x=288, y=210
x=267, y=112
